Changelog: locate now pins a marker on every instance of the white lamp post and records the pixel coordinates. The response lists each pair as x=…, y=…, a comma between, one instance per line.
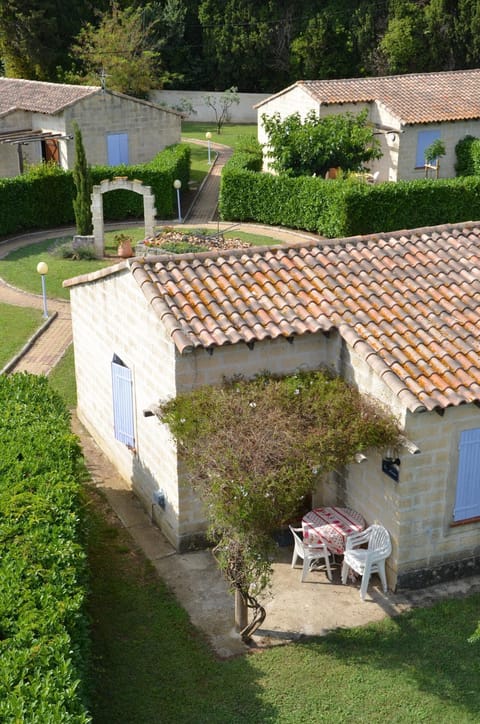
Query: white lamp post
x=208, y=136
x=42, y=269
x=177, y=184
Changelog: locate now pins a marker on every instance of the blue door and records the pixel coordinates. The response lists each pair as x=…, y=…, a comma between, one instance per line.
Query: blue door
x=117, y=149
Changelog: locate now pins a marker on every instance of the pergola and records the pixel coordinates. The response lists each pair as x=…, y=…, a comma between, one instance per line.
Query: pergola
x=25, y=136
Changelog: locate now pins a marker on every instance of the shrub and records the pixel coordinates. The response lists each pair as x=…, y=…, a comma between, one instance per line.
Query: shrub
x=468, y=156
x=43, y=575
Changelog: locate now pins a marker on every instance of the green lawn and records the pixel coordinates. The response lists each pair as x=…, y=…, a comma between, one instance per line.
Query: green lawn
x=62, y=379
x=151, y=665
x=17, y=324
x=230, y=135
x=20, y=268
x=199, y=162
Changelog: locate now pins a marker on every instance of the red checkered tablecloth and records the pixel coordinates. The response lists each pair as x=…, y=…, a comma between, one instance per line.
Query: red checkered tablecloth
x=331, y=525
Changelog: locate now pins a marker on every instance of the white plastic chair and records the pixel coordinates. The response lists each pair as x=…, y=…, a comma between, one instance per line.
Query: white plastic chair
x=366, y=561
x=310, y=554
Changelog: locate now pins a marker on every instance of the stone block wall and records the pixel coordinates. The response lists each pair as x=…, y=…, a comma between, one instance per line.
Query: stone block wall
x=110, y=317
x=418, y=509
x=450, y=134
x=149, y=128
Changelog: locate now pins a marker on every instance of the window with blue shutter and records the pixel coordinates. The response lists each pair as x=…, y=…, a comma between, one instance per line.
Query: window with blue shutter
x=122, y=396
x=424, y=140
x=467, y=499
x=117, y=149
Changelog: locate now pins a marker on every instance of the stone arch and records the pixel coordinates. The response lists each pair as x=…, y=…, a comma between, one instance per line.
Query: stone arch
x=120, y=182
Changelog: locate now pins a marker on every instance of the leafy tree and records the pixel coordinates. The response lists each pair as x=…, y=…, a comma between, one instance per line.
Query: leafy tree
x=119, y=47
x=403, y=45
x=246, y=43
x=432, y=155
x=312, y=146
x=277, y=436
x=35, y=35
x=221, y=105
x=83, y=184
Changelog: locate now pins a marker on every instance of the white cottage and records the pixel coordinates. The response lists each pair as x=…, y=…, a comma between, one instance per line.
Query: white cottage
x=396, y=314
x=408, y=112
x=36, y=123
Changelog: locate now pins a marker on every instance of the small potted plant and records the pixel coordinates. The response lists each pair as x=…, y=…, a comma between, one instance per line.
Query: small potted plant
x=124, y=245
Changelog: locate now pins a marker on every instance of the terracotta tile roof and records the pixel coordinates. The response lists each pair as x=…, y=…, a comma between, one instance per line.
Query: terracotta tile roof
x=407, y=302
x=39, y=97
x=414, y=98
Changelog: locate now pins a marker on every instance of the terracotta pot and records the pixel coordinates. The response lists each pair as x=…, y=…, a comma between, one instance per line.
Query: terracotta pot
x=125, y=249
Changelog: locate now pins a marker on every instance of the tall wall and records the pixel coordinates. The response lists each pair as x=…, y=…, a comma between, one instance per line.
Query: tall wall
x=243, y=112
x=111, y=316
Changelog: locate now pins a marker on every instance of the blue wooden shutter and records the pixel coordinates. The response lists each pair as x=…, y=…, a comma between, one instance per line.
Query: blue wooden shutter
x=117, y=149
x=467, y=501
x=424, y=140
x=122, y=395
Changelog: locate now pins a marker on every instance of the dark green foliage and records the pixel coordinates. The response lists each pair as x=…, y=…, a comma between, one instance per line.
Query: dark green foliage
x=35, y=35
x=43, y=197
x=39, y=199
x=83, y=185
x=43, y=576
x=345, y=207
x=468, y=156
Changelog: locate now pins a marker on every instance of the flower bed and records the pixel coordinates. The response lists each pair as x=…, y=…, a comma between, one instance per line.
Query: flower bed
x=179, y=242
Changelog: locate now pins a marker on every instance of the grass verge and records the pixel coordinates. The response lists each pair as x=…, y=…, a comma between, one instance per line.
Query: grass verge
x=17, y=324
x=62, y=379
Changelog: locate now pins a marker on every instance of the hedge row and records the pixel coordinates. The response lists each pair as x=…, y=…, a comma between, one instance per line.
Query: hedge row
x=468, y=156
x=42, y=198
x=44, y=649
x=345, y=208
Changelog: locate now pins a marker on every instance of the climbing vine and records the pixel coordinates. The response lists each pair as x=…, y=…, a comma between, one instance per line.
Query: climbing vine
x=255, y=448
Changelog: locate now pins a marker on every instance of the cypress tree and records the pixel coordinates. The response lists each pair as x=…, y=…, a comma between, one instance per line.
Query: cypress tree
x=83, y=183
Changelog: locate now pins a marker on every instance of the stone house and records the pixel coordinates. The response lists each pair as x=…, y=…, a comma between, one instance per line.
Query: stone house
x=36, y=123
x=395, y=314
x=408, y=112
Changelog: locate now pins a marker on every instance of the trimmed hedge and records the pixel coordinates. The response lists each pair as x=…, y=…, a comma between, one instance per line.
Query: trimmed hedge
x=44, y=651
x=468, y=156
x=345, y=208
x=43, y=197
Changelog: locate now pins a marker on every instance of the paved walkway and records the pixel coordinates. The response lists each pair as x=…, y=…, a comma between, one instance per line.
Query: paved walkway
x=204, y=207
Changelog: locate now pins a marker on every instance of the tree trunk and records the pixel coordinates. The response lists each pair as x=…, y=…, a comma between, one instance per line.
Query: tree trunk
x=241, y=611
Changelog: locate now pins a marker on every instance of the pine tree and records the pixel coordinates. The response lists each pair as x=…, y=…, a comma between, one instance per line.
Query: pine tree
x=83, y=183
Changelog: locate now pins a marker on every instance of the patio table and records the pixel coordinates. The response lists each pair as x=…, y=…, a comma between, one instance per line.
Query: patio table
x=331, y=525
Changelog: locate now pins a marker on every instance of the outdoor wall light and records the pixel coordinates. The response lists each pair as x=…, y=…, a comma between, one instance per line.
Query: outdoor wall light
x=159, y=499
x=390, y=466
